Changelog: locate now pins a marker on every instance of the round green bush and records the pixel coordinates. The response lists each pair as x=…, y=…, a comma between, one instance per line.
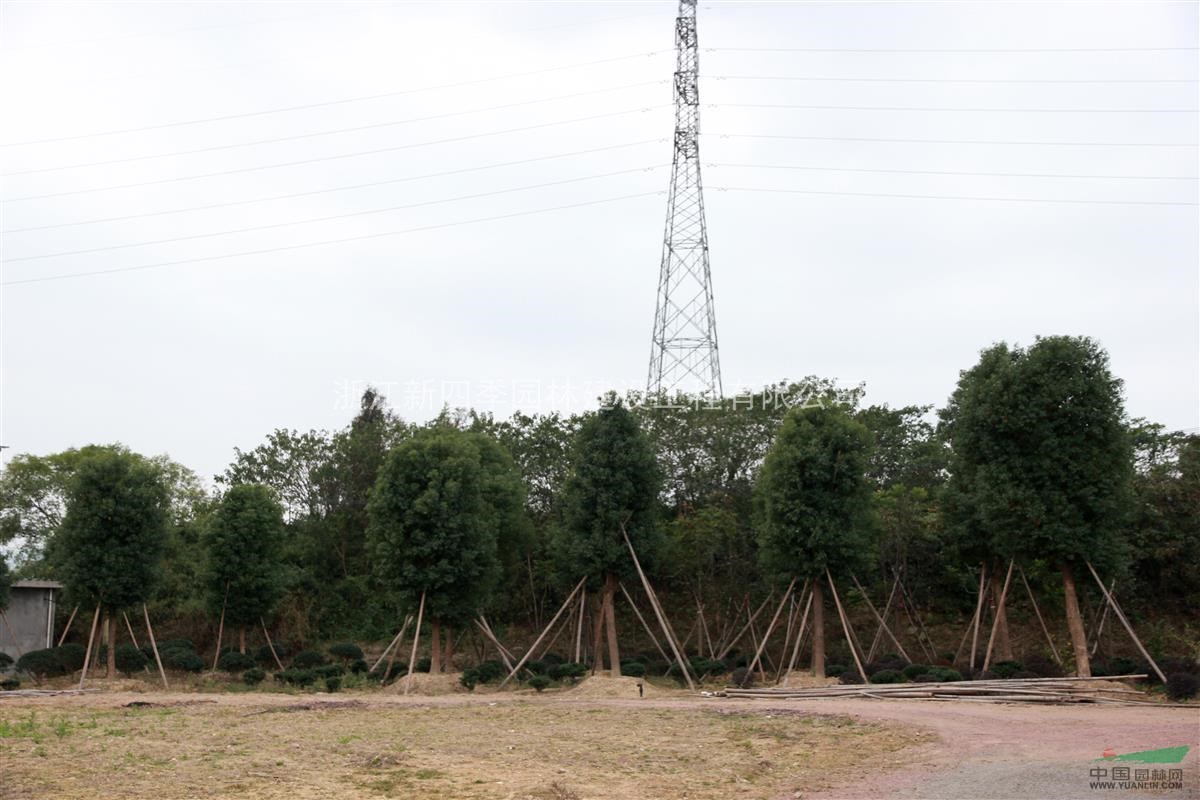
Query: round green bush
x=492, y=671
x=537, y=667
x=539, y=682
x=742, y=677
x=41, y=663
x=945, y=674
x=235, y=662
x=182, y=660
x=834, y=670
x=1182, y=685
x=1007, y=669
x=422, y=665
x=10, y=684
x=307, y=659
x=177, y=644
x=264, y=658
x=347, y=651
x=850, y=676
x=913, y=670
x=71, y=656
x=469, y=678
x=569, y=672
x=633, y=669
x=254, y=676
x=129, y=659
x=333, y=683
x=359, y=667
x=5, y=661
x=887, y=676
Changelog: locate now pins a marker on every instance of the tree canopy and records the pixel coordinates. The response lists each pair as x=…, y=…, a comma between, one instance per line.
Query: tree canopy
x=242, y=541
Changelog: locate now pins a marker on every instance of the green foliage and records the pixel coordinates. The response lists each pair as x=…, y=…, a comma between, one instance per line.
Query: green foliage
x=333, y=683
x=235, y=662
x=944, y=674
x=130, y=659
x=5, y=582
x=613, y=485
x=359, y=667
x=887, y=676
x=812, y=496
x=307, y=659
x=10, y=684
x=1007, y=669
x=71, y=656
x=242, y=541
x=41, y=663
x=536, y=667
x=633, y=669
x=570, y=671
x=253, y=676
x=1041, y=464
x=539, y=682
x=182, y=660
x=110, y=540
x=1182, y=685
x=913, y=670
x=5, y=660
x=834, y=670
x=433, y=521
x=347, y=651
x=293, y=676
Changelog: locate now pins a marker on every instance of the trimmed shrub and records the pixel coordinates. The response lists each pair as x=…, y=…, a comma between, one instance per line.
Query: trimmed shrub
x=263, y=657
x=834, y=670
x=704, y=666
x=925, y=678
x=887, y=676
x=329, y=671
x=10, y=684
x=359, y=667
x=307, y=659
x=913, y=670
x=1007, y=669
x=177, y=644
x=236, y=662
x=1182, y=685
x=742, y=677
x=538, y=667
x=254, y=676
x=539, y=682
x=850, y=676
x=71, y=656
x=422, y=665
x=469, y=678
x=569, y=672
x=945, y=674
x=296, y=677
x=41, y=663
x=553, y=658
x=347, y=651
x=491, y=671
x=129, y=659
x=333, y=683
x=1122, y=666
x=1043, y=667
x=633, y=669
x=5, y=661
x=1024, y=675
x=182, y=660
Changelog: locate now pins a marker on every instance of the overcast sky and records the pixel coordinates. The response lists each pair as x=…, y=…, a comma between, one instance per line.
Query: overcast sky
x=546, y=308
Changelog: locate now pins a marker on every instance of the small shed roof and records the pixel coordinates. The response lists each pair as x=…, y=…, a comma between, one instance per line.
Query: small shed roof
x=33, y=584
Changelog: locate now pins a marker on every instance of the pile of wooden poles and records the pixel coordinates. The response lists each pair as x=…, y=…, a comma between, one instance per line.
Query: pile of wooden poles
x=1013, y=690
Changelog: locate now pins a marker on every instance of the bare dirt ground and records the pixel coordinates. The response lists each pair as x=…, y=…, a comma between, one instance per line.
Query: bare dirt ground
x=598, y=742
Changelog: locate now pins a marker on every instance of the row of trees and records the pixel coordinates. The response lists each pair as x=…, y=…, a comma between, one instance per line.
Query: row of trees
x=329, y=535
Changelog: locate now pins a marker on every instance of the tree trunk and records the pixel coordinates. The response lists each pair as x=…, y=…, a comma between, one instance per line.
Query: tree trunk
x=448, y=653
x=1003, y=644
x=610, y=623
x=1083, y=666
x=597, y=637
x=110, y=668
x=242, y=640
x=818, y=642
x=435, y=655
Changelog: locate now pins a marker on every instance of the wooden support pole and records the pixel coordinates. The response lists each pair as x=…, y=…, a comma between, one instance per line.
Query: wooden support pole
x=579, y=628
x=978, y=614
x=887, y=609
x=846, y=627
x=1125, y=621
x=546, y=630
x=221, y=628
x=412, y=661
x=154, y=646
x=923, y=637
x=658, y=612
x=1042, y=622
x=395, y=641
x=271, y=645
x=987, y=658
x=799, y=639
x=882, y=623
x=787, y=595
x=487, y=634
x=67, y=627
x=87, y=656
x=129, y=628
x=705, y=636
x=645, y=625
x=1103, y=616
x=729, y=645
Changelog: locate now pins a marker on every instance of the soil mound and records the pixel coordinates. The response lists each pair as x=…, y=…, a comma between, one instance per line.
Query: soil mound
x=624, y=688
x=424, y=683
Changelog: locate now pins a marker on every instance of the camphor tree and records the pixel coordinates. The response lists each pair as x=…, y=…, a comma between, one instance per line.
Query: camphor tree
x=613, y=486
x=813, y=504
x=111, y=538
x=440, y=504
x=1042, y=462
x=242, y=543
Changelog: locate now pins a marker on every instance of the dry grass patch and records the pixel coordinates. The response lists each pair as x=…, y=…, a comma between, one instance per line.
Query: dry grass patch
x=531, y=748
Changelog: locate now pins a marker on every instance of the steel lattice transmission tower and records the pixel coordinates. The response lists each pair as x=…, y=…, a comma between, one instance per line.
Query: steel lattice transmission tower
x=683, y=354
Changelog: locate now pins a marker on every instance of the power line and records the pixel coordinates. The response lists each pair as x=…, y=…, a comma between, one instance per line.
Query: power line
x=284, y=248
x=372, y=126
x=962, y=109
x=331, y=217
x=839, y=79
x=355, y=154
x=948, y=141
x=946, y=50
x=963, y=174
x=956, y=197
x=327, y=103
x=309, y=193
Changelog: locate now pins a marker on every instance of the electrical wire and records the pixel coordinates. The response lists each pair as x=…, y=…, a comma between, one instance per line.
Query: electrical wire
x=332, y=217
x=363, y=237
x=350, y=187
x=953, y=197
x=962, y=174
x=335, y=157
x=946, y=141
x=839, y=79
x=327, y=103
x=962, y=109
x=967, y=50
x=335, y=131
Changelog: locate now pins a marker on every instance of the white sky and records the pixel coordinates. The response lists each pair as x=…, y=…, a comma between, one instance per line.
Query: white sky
x=548, y=309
